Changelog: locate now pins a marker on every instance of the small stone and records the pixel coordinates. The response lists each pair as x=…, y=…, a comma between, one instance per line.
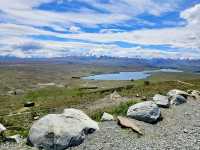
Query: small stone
x=107, y=117
x=36, y=117
x=29, y=104
x=144, y=98
x=189, y=91
x=161, y=101
x=115, y=95
x=186, y=113
x=185, y=131
x=15, y=138
x=195, y=94
x=16, y=92
x=2, y=128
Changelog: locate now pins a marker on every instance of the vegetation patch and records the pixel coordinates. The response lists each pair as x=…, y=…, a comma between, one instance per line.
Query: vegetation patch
x=115, y=110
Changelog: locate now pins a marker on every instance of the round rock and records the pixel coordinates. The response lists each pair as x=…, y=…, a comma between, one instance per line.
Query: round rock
x=177, y=100
x=145, y=111
x=60, y=131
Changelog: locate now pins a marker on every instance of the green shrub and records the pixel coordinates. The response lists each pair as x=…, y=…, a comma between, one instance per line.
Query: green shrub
x=146, y=82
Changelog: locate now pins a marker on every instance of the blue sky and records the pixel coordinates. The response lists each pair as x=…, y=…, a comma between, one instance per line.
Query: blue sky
x=118, y=28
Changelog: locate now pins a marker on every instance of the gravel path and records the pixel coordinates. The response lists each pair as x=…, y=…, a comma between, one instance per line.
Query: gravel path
x=179, y=130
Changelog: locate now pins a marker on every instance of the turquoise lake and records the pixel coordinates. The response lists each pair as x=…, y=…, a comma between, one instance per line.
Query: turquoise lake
x=127, y=75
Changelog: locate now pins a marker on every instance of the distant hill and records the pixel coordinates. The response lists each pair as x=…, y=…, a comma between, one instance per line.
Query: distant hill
x=191, y=65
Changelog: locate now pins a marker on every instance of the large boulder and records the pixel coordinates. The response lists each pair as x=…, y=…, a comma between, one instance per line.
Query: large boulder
x=145, y=111
x=177, y=92
x=161, y=101
x=2, y=128
x=107, y=117
x=60, y=131
x=177, y=100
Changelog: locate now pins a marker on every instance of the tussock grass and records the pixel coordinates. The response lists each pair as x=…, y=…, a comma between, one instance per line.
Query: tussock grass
x=116, y=110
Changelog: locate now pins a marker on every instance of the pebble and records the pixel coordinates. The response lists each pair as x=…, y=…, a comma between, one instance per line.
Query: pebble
x=185, y=131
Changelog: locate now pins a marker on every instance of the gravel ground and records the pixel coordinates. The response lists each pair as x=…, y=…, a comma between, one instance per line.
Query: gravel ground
x=179, y=130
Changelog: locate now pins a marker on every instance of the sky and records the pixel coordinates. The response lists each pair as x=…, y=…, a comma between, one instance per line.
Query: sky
x=115, y=28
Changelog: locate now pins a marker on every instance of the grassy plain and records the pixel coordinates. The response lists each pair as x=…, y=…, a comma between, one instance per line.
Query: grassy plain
x=72, y=92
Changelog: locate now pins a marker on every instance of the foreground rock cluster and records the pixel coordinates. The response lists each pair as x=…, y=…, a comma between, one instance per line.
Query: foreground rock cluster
x=149, y=111
x=61, y=131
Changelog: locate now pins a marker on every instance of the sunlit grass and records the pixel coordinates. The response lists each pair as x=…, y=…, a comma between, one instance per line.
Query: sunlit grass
x=115, y=110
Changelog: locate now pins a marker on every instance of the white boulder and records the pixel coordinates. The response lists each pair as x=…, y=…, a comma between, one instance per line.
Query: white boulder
x=60, y=131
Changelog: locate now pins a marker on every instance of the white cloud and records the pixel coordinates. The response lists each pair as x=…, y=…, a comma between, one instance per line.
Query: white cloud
x=74, y=29
x=24, y=12
x=23, y=18
x=192, y=15
x=187, y=37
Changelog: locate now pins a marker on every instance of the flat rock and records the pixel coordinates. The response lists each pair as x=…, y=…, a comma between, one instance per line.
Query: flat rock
x=161, y=101
x=127, y=123
x=107, y=117
x=146, y=111
x=60, y=131
x=177, y=100
x=177, y=92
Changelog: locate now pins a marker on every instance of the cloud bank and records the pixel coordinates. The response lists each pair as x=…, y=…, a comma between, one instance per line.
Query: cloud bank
x=123, y=28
